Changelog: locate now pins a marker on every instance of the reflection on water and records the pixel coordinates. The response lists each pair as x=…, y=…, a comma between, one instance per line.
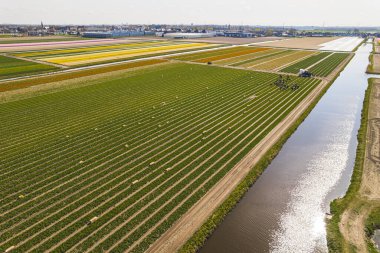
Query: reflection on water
x=304, y=209
x=284, y=210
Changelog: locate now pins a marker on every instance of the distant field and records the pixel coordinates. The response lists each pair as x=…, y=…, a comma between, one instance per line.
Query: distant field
x=13, y=40
x=302, y=43
x=11, y=67
x=106, y=53
x=304, y=64
x=321, y=43
x=129, y=152
x=60, y=44
x=270, y=59
x=235, y=41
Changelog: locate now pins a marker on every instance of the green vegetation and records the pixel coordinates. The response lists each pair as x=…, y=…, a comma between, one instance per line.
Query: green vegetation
x=198, y=239
x=304, y=64
x=327, y=66
x=372, y=223
x=269, y=56
x=20, y=84
x=335, y=240
x=11, y=67
x=202, y=55
x=370, y=68
x=134, y=151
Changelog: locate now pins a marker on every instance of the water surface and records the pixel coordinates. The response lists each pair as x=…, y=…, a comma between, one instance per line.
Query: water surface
x=284, y=210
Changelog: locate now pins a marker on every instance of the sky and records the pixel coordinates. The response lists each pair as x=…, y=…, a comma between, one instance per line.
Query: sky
x=234, y=12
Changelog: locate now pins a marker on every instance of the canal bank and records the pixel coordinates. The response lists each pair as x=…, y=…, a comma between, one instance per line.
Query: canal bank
x=284, y=210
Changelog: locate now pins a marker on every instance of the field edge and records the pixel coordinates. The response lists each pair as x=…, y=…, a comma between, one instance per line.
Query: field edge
x=198, y=239
x=335, y=240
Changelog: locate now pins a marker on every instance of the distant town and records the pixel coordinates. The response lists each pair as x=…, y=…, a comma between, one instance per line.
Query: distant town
x=183, y=31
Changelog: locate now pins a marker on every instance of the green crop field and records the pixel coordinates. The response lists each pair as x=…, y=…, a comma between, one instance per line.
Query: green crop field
x=111, y=165
x=328, y=65
x=11, y=67
x=304, y=64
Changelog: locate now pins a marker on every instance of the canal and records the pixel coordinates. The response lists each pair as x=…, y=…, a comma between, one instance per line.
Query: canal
x=284, y=211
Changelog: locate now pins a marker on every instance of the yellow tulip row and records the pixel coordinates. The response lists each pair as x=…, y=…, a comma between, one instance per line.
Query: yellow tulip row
x=90, y=48
x=120, y=54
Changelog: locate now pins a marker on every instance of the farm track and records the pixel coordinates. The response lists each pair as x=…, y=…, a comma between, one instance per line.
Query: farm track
x=189, y=223
x=144, y=180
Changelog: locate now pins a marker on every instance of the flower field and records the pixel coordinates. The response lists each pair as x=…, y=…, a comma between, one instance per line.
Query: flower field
x=112, y=165
x=20, y=84
x=269, y=59
x=11, y=67
x=107, y=53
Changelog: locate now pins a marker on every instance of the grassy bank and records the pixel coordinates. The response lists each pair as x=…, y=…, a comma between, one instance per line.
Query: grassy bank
x=199, y=238
x=335, y=240
x=372, y=223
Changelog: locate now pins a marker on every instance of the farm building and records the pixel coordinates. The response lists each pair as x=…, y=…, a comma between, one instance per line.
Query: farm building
x=116, y=33
x=239, y=34
x=97, y=34
x=188, y=35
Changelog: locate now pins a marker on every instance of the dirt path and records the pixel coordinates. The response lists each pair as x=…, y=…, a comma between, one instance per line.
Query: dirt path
x=184, y=228
x=353, y=219
x=190, y=222
x=352, y=226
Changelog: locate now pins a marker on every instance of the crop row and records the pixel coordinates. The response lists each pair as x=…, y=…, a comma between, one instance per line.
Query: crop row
x=244, y=51
x=304, y=64
x=79, y=59
x=282, y=60
x=233, y=60
x=211, y=127
x=255, y=60
x=201, y=55
x=11, y=67
x=90, y=49
x=328, y=65
x=72, y=75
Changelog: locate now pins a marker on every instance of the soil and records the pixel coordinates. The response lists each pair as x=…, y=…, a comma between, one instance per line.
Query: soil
x=235, y=41
x=353, y=219
x=376, y=63
x=303, y=43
